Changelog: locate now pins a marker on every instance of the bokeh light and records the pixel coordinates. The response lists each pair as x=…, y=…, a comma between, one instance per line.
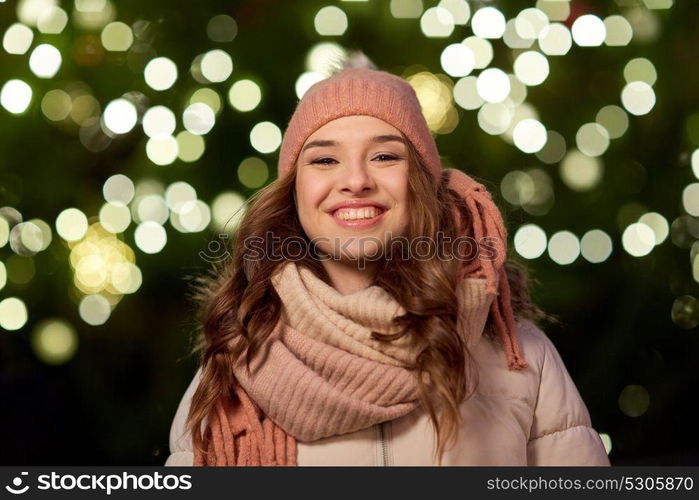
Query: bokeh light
x=159, y=121
x=150, y=237
x=434, y=93
x=253, y=172
x=17, y=39
x=71, y=224
x=690, y=199
x=228, y=209
x=194, y=216
x=207, y=96
x=634, y=400
x=530, y=23
x=482, y=50
x=488, y=22
x=638, y=239
x=162, y=149
x=330, y=21
x=93, y=14
x=178, y=194
x=457, y=59
x=118, y=189
x=466, y=93
x=52, y=20
x=554, y=10
x=265, y=137
x=493, y=85
x=15, y=96
x=120, y=116
x=323, y=57
x=114, y=218
x=614, y=120
x=512, y=38
x=589, y=31
x=150, y=207
x=564, y=247
x=606, y=441
x=695, y=163
x=555, y=40
x=685, y=312
x=54, y=341
x=45, y=60
x=305, y=81
x=592, y=139
x=638, y=98
x=555, y=148
x=216, y=66
x=190, y=147
x=13, y=313
x=580, y=172
x=459, y=10
x=94, y=309
x=28, y=11
x=56, y=105
x=494, y=118
x=596, y=246
x=619, y=31
x=117, y=37
x=530, y=241
x=437, y=22
x=222, y=28
x=406, y=9
x=198, y=118
x=244, y=95
x=658, y=224
x=640, y=69
x=531, y=68
x=529, y=135
x=160, y=73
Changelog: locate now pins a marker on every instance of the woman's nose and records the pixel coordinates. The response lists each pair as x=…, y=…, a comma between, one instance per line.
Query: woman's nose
x=357, y=177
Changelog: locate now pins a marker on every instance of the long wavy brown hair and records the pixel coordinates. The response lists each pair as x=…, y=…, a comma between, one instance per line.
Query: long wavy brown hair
x=235, y=299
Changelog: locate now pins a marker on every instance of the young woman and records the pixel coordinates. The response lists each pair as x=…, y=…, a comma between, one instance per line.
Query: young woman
x=368, y=315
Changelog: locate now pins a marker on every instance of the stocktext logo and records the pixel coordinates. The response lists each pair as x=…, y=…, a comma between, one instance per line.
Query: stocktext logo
x=107, y=483
x=17, y=487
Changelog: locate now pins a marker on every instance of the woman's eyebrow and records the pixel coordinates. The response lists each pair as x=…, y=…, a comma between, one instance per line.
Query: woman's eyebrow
x=380, y=139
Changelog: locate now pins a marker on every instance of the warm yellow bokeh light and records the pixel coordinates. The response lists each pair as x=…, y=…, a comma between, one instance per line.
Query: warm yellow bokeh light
x=54, y=341
x=244, y=95
x=13, y=313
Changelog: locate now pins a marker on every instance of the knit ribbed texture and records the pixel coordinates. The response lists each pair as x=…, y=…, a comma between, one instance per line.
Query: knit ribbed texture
x=359, y=92
x=320, y=373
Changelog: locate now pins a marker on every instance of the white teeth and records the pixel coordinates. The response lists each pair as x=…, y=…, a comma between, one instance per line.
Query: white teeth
x=357, y=213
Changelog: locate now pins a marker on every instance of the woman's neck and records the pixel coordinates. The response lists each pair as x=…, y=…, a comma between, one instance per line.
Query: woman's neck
x=347, y=278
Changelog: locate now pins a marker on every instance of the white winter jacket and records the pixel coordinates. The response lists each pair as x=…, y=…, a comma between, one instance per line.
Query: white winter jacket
x=533, y=416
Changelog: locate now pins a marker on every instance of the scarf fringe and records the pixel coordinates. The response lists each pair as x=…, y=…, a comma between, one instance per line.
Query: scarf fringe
x=488, y=224
x=240, y=438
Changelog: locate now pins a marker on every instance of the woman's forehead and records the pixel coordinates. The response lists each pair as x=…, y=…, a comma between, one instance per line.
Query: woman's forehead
x=353, y=128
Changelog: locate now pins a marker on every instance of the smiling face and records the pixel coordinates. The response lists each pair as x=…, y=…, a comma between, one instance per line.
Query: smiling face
x=352, y=187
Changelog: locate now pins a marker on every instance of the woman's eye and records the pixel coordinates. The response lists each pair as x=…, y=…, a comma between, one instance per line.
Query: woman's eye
x=323, y=161
x=381, y=157
x=386, y=157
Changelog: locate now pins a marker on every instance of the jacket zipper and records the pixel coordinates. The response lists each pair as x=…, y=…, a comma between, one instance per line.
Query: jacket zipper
x=384, y=439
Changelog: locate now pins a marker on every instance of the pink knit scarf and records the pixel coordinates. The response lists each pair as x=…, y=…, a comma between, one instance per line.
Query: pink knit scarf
x=323, y=374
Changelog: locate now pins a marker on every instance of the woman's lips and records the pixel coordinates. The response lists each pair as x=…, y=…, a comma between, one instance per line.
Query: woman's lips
x=357, y=223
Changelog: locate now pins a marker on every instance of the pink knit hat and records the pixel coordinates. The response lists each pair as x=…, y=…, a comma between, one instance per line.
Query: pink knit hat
x=371, y=92
x=359, y=92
